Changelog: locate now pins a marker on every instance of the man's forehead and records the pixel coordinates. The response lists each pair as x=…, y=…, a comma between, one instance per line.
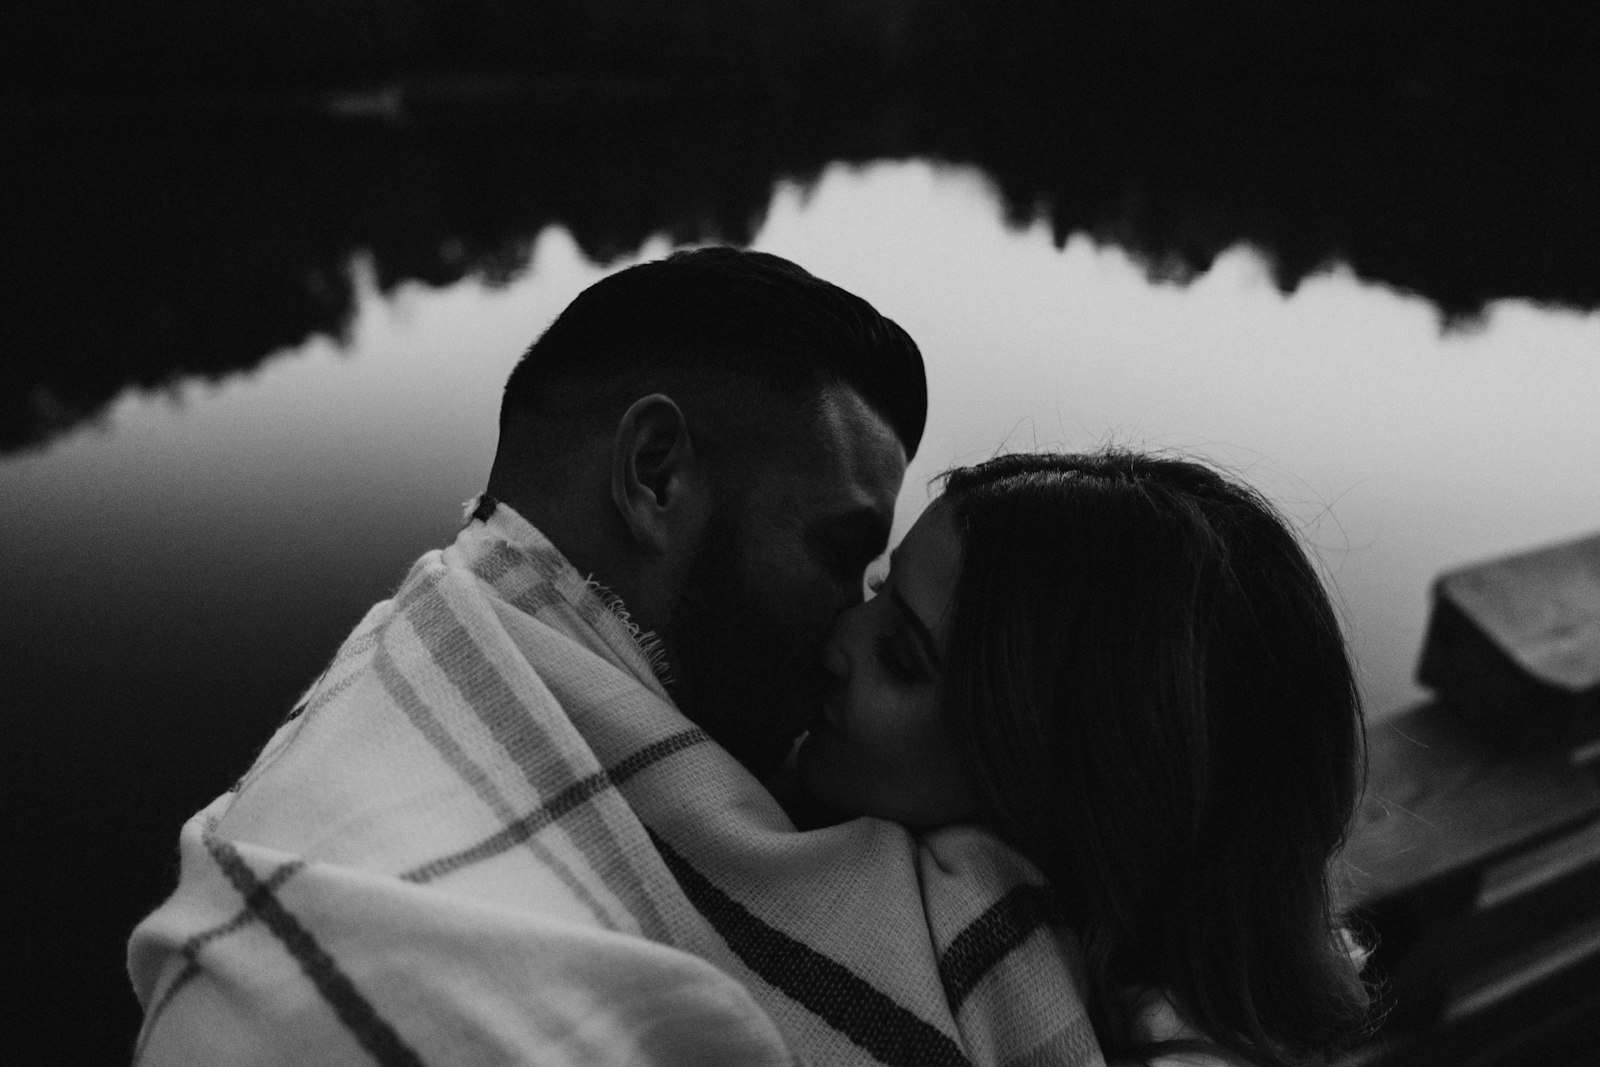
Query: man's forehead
x=844, y=458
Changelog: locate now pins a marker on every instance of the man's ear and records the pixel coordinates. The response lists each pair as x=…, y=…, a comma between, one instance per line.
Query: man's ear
x=657, y=480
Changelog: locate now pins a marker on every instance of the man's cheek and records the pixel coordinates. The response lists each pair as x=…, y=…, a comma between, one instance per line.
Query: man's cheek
x=802, y=617
x=809, y=640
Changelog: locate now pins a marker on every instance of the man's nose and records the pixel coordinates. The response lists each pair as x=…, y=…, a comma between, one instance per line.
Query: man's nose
x=836, y=649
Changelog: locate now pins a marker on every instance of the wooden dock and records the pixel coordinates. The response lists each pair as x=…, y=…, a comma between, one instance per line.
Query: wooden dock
x=1476, y=854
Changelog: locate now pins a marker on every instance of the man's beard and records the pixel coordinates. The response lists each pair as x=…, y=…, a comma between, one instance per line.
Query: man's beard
x=736, y=671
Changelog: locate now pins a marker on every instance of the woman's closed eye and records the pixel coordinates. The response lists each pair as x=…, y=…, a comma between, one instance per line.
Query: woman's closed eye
x=897, y=654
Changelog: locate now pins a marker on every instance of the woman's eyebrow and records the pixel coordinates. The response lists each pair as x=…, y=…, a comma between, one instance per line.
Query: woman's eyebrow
x=924, y=635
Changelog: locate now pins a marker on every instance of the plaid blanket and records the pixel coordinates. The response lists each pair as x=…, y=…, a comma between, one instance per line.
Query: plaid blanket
x=486, y=835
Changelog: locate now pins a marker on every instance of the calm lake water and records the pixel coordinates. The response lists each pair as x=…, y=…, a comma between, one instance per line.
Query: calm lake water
x=177, y=573
x=233, y=514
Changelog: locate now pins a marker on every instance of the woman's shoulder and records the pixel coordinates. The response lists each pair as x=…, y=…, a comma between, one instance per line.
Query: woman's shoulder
x=1157, y=1019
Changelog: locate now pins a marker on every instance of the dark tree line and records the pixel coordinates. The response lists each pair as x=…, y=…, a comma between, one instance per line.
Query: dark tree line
x=81, y=46
x=202, y=211
x=1419, y=51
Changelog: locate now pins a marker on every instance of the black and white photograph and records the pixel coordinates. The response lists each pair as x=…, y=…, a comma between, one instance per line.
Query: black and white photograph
x=777, y=532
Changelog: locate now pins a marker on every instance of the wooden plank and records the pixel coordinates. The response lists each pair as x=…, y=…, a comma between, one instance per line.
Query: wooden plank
x=1567, y=860
x=1557, y=1028
x=1442, y=803
x=1476, y=863
x=1512, y=911
x=1566, y=954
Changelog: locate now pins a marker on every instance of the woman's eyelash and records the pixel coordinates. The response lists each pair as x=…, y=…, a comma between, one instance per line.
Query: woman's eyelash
x=892, y=661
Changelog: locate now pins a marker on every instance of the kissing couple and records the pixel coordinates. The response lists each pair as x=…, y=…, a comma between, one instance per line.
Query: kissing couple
x=651, y=765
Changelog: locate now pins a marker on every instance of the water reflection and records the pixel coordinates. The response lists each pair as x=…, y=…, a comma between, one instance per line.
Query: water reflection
x=1399, y=450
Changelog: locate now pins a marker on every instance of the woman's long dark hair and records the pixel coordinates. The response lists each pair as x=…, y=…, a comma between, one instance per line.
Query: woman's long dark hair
x=1164, y=718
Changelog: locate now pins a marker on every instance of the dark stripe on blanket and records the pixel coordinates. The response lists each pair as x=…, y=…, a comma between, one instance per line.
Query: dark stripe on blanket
x=191, y=953
x=274, y=882
x=560, y=584
x=841, y=998
x=369, y=1029
x=520, y=830
x=501, y=559
x=191, y=970
x=654, y=753
x=548, y=766
x=990, y=937
x=456, y=758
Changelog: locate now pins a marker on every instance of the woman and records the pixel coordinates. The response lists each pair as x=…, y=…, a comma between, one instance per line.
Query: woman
x=1127, y=667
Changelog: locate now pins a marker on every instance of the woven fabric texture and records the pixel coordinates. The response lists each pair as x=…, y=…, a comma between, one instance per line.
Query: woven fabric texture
x=486, y=835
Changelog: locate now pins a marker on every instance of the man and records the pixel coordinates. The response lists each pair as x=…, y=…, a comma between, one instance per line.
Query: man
x=721, y=439
x=519, y=818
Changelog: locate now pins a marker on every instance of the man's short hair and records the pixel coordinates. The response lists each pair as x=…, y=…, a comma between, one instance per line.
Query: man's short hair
x=724, y=332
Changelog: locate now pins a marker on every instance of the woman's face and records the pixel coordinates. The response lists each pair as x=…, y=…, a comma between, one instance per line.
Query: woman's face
x=879, y=746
